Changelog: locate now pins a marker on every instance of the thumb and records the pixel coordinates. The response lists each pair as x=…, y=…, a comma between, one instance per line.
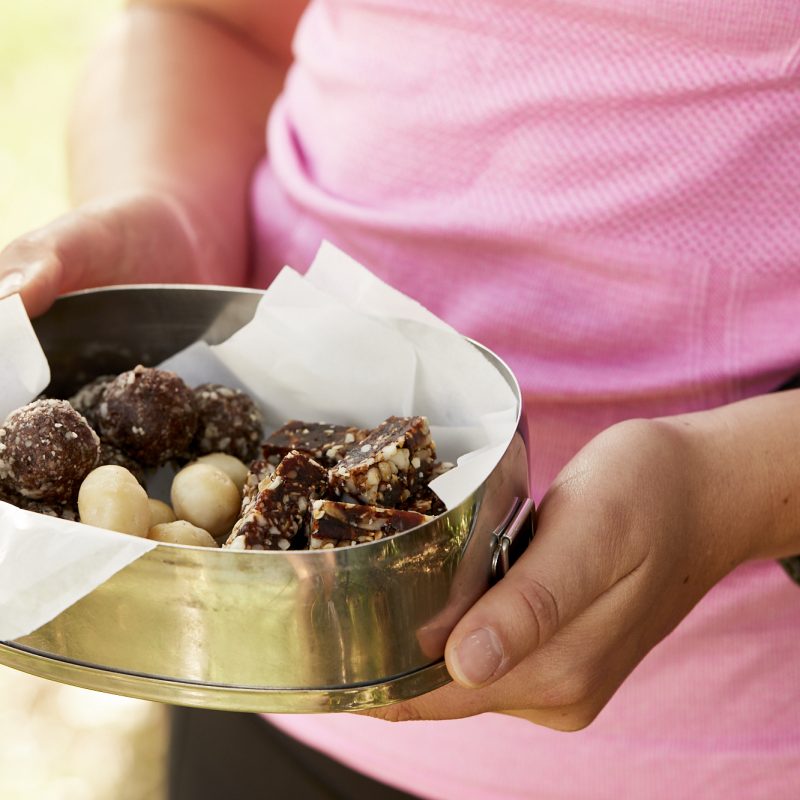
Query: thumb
x=55, y=258
x=565, y=568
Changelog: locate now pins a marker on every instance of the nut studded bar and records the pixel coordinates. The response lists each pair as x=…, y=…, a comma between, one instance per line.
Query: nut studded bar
x=259, y=469
x=336, y=524
x=423, y=499
x=385, y=467
x=281, y=509
x=324, y=443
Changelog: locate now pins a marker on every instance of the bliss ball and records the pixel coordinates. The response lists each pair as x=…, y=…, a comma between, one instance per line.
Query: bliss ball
x=87, y=399
x=229, y=422
x=46, y=449
x=149, y=414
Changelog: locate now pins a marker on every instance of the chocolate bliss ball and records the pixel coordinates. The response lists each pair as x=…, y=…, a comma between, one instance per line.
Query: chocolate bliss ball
x=46, y=449
x=229, y=422
x=87, y=399
x=149, y=414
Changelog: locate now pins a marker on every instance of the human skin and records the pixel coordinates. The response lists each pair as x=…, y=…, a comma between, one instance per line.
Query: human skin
x=633, y=532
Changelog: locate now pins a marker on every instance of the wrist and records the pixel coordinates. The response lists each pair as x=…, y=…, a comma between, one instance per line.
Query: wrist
x=723, y=538
x=744, y=457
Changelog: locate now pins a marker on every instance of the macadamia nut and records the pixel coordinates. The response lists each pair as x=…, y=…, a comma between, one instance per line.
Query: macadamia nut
x=206, y=497
x=235, y=469
x=110, y=497
x=160, y=512
x=181, y=532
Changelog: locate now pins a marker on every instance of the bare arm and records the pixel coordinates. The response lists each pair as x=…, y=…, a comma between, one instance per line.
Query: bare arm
x=167, y=127
x=630, y=536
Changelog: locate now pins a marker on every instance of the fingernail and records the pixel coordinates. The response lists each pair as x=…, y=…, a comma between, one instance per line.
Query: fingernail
x=476, y=657
x=11, y=283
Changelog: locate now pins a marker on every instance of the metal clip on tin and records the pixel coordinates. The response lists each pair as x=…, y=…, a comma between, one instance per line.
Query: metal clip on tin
x=512, y=537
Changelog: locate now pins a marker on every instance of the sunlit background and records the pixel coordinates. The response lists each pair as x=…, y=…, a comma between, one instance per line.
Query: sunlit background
x=58, y=742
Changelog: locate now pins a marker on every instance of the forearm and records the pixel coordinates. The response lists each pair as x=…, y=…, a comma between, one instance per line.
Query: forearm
x=174, y=104
x=749, y=457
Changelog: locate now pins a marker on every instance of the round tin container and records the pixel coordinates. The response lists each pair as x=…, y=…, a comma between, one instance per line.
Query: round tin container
x=305, y=631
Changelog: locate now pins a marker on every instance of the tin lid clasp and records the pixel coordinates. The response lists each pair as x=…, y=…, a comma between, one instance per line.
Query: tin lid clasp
x=512, y=537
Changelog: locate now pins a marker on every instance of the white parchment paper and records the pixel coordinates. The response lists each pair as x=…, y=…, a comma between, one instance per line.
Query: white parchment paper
x=24, y=370
x=336, y=345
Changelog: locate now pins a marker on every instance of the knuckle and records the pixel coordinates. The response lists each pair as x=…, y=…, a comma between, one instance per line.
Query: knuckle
x=539, y=607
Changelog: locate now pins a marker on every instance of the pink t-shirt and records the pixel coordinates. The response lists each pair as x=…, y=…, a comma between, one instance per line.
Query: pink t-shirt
x=607, y=194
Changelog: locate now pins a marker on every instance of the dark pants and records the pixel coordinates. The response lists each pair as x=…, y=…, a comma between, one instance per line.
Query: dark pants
x=218, y=755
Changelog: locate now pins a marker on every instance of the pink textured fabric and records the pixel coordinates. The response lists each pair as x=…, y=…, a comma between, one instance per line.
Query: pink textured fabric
x=606, y=194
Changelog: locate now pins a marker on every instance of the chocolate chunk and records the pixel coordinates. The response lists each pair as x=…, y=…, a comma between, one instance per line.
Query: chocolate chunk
x=423, y=499
x=384, y=468
x=335, y=524
x=46, y=450
x=149, y=414
x=228, y=422
x=259, y=469
x=325, y=443
x=280, y=512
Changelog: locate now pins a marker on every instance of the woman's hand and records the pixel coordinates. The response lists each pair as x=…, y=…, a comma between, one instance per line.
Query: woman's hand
x=133, y=238
x=633, y=532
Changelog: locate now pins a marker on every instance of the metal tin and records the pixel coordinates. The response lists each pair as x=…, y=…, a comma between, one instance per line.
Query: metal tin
x=306, y=631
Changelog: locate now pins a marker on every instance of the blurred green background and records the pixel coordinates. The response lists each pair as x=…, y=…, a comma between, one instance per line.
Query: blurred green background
x=43, y=48
x=58, y=742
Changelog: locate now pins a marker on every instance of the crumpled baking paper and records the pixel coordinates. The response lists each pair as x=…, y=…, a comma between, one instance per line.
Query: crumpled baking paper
x=24, y=370
x=336, y=345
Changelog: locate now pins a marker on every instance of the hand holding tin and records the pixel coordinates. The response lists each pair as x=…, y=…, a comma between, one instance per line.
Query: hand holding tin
x=136, y=237
x=624, y=549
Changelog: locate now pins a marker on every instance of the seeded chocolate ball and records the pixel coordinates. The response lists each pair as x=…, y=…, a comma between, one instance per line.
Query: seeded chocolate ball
x=149, y=414
x=46, y=450
x=87, y=399
x=229, y=422
x=51, y=508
